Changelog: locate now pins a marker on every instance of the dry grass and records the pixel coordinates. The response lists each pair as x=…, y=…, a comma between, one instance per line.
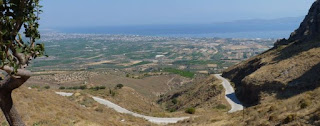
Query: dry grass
x=49, y=109
x=285, y=71
x=100, y=62
x=207, y=93
x=128, y=98
x=288, y=111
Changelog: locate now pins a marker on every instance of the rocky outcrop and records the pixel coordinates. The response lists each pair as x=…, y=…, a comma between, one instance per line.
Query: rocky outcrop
x=309, y=29
x=290, y=68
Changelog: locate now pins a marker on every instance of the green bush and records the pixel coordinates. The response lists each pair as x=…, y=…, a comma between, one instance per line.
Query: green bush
x=119, y=86
x=83, y=87
x=47, y=87
x=62, y=88
x=221, y=106
x=75, y=88
x=112, y=93
x=34, y=86
x=304, y=103
x=96, y=88
x=102, y=87
x=172, y=110
x=4, y=124
x=290, y=118
x=191, y=110
x=174, y=101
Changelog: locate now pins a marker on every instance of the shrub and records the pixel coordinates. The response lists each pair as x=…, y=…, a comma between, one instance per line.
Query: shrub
x=119, y=86
x=99, y=109
x=96, y=88
x=4, y=124
x=47, y=87
x=83, y=87
x=272, y=108
x=191, y=110
x=112, y=93
x=221, y=106
x=304, y=103
x=75, y=87
x=34, y=86
x=102, y=87
x=172, y=110
x=272, y=118
x=174, y=101
x=289, y=118
x=62, y=88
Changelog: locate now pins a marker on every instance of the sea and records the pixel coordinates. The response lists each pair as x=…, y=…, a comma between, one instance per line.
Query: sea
x=265, y=31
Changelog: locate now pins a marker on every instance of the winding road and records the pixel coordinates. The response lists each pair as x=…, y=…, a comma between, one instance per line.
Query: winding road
x=230, y=95
x=119, y=109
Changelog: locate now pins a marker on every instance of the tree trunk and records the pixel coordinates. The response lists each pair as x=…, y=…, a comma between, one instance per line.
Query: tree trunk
x=8, y=109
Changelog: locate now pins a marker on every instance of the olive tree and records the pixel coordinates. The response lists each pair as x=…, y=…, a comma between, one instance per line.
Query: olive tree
x=18, y=33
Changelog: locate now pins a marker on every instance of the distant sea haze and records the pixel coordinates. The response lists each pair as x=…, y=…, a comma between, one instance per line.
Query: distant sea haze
x=277, y=28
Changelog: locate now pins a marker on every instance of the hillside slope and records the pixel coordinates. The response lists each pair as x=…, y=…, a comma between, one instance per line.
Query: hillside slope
x=45, y=108
x=290, y=68
x=207, y=93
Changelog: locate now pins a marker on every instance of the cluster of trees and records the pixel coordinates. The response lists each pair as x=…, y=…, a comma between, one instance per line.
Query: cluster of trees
x=83, y=87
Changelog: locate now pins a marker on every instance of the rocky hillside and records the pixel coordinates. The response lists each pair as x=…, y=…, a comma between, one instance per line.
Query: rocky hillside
x=290, y=68
x=205, y=94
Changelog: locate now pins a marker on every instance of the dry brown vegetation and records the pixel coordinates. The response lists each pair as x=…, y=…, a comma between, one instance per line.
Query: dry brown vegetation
x=44, y=107
x=207, y=93
x=300, y=110
x=151, y=86
x=282, y=84
x=303, y=109
x=128, y=98
x=284, y=71
x=290, y=68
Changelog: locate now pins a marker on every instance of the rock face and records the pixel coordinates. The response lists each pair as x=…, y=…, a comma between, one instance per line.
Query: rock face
x=291, y=67
x=309, y=29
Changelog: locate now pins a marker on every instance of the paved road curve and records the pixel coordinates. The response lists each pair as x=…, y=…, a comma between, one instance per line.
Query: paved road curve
x=230, y=95
x=149, y=118
x=123, y=110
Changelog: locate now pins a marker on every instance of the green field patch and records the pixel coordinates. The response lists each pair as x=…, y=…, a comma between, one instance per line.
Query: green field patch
x=196, y=62
x=141, y=63
x=183, y=73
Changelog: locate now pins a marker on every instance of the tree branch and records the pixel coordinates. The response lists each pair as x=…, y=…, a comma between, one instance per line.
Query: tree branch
x=14, y=81
x=23, y=73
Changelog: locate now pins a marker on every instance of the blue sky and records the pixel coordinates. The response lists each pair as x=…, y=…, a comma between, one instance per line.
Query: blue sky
x=87, y=13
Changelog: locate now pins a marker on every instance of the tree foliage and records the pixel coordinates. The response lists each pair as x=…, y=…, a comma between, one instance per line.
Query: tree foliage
x=16, y=48
x=19, y=23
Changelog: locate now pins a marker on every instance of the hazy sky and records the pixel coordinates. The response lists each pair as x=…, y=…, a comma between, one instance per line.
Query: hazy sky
x=73, y=13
